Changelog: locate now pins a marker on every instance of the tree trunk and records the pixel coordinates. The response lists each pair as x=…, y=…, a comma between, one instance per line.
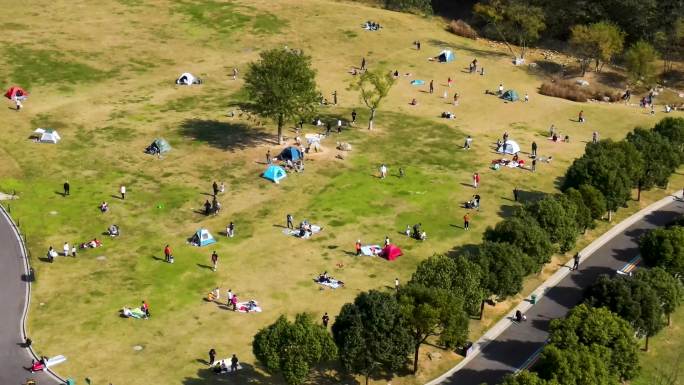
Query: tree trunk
x=280, y=130
x=415, y=359
x=610, y=215
x=639, y=192
x=367, y=376
x=669, y=319
x=372, y=117
x=584, y=67
x=646, y=347
x=482, y=306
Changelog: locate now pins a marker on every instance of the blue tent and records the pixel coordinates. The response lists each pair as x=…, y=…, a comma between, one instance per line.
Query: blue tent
x=202, y=238
x=274, y=173
x=290, y=153
x=446, y=56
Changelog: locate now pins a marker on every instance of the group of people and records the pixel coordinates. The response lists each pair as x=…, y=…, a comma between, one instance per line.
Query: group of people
x=415, y=232
x=222, y=366
x=213, y=207
x=371, y=26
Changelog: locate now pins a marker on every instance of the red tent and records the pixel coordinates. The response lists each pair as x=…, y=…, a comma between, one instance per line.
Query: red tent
x=15, y=91
x=391, y=252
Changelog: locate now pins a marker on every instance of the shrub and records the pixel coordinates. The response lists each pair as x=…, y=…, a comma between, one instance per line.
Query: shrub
x=565, y=90
x=461, y=28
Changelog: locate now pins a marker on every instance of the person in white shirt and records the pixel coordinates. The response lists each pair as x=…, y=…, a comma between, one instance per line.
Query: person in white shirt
x=66, y=249
x=229, y=296
x=383, y=171
x=122, y=190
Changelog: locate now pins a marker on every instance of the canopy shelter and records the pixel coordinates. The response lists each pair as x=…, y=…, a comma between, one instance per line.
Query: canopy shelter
x=510, y=147
x=202, y=237
x=446, y=56
x=46, y=135
x=15, y=92
x=510, y=95
x=274, y=173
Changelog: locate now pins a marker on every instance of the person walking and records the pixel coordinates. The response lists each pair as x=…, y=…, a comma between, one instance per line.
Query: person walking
x=580, y=117
x=66, y=188
x=339, y=126
x=468, y=143
x=576, y=261
x=482, y=71
x=466, y=221
x=383, y=171
x=357, y=246
x=594, y=137
x=235, y=73
x=476, y=180
x=234, y=301
x=387, y=240
x=73, y=250
x=326, y=319
x=268, y=156
x=334, y=95
x=212, y=356
x=500, y=92
x=534, y=150
x=167, y=254
x=353, y=115
x=215, y=188
x=455, y=98
x=230, y=231
x=290, y=219
x=515, y=193
x=432, y=86
x=17, y=103
x=66, y=249
x=449, y=81
x=214, y=260
x=396, y=284
x=534, y=164
x=229, y=298
x=552, y=130
x=527, y=97
x=234, y=363
x=122, y=191
x=363, y=64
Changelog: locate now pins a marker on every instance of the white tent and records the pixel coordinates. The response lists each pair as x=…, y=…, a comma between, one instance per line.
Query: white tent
x=46, y=135
x=186, y=78
x=509, y=147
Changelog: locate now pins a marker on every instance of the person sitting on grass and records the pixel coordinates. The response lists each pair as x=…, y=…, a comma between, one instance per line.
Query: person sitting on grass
x=414, y=102
x=113, y=231
x=423, y=236
x=104, y=207
x=417, y=230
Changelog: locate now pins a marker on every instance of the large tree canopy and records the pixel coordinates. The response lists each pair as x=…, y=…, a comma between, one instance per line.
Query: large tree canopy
x=557, y=215
x=664, y=247
x=503, y=268
x=293, y=348
x=373, y=87
x=582, y=365
x=513, y=21
x=282, y=86
x=523, y=231
x=598, y=41
x=669, y=288
x=590, y=327
x=372, y=335
x=661, y=158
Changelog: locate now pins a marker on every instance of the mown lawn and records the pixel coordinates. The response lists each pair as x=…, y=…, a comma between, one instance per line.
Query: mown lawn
x=111, y=92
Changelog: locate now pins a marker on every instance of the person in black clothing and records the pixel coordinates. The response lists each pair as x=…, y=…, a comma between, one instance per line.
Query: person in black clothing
x=534, y=149
x=576, y=261
x=301, y=123
x=515, y=193
x=327, y=129
x=234, y=363
x=66, y=188
x=325, y=319
x=290, y=218
x=363, y=63
x=207, y=207
x=334, y=95
x=432, y=86
x=417, y=230
x=519, y=316
x=212, y=356
x=215, y=187
x=353, y=114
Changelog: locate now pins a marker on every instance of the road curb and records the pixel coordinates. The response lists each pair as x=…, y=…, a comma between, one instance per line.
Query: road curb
x=27, y=300
x=553, y=280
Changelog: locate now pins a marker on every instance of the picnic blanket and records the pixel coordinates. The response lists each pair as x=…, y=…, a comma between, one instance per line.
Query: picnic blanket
x=331, y=283
x=371, y=250
x=315, y=229
x=245, y=307
x=417, y=82
x=134, y=312
x=224, y=364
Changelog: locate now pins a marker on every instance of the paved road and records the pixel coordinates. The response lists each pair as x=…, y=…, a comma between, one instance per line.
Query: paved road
x=13, y=295
x=519, y=342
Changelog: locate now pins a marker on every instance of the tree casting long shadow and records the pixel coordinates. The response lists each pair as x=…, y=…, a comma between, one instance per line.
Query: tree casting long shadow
x=225, y=135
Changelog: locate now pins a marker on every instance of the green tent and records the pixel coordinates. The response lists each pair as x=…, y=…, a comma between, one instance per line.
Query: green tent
x=510, y=95
x=162, y=145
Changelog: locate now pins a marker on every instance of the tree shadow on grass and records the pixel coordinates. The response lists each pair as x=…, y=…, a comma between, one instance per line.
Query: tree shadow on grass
x=248, y=375
x=476, y=52
x=226, y=135
x=612, y=79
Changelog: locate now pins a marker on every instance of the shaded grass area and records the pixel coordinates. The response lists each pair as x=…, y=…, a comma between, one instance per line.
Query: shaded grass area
x=664, y=362
x=40, y=66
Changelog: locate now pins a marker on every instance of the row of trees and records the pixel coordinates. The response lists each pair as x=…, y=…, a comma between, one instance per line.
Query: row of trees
x=644, y=160
x=596, y=343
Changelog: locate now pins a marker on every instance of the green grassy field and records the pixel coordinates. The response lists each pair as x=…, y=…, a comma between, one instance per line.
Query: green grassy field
x=663, y=364
x=102, y=74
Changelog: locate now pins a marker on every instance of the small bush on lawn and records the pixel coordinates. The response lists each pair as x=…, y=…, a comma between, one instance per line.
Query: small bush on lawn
x=461, y=28
x=566, y=90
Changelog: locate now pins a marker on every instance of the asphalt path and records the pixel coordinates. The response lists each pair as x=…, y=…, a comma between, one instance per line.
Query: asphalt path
x=14, y=290
x=513, y=348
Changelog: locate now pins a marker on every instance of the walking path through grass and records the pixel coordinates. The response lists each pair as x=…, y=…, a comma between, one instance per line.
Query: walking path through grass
x=14, y=294
x=516, y=347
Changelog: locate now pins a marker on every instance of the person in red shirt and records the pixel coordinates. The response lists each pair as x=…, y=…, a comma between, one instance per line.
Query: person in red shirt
x=358, y=247
x=466, y=221
x=145, y=308
x=167, y=253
